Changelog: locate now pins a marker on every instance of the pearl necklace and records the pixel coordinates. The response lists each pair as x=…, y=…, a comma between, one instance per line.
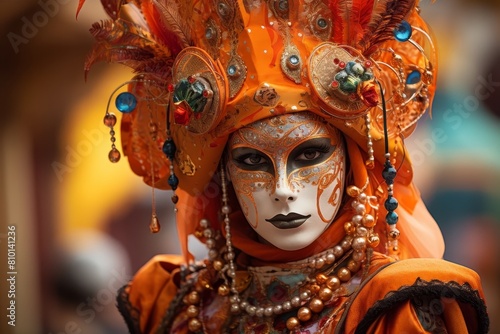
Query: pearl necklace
x=322, y=287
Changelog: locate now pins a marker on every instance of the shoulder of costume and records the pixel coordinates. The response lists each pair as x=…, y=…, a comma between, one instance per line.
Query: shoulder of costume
x=144, y=301
x=401, y=281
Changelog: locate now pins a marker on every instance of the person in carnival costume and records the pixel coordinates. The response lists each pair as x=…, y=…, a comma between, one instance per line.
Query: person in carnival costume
x=280, y=127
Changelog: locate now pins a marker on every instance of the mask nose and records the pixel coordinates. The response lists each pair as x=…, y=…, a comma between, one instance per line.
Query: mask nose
x=283, y=192
x=288, y=199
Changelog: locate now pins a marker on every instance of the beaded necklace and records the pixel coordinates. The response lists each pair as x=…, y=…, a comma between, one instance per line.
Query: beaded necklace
x=327, y=271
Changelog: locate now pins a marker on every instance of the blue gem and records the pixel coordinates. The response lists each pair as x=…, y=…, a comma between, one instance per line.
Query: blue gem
x=126, y=102
x=222, y=9
x=173, y=181
x=169, y=149
x=389, y=173
x=413, y=78
x=403, y=32
x=231, y=70
x=294, y=60
x=322, y=23
x=391, y=204
x=391, y=218
x=283, y=5
x=209, y=33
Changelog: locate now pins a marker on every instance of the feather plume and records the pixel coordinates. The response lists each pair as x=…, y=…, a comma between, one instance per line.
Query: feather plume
x=158, y=28
x=129, y=44
x=338, y=24
x=387, y=15
x=131, y=12
x=357, y=18
x=112, y=7
x=169, y=15
x=345, y=13
x=80, y=5
x=365, y=13
x=350, y=18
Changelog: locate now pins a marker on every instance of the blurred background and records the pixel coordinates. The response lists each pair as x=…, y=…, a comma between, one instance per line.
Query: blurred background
x=82, y=222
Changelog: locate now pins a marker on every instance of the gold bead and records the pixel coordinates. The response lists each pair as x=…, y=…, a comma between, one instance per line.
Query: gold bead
x=344, y=274
x=353, y=266
x=394, y=234
x=374, y=241
x=193, y=297
x=192, y=311
x=353, y=191
x=321, y=278
x=333, y=283
x=359, y=243
x=316, y=305
x=218, y=265
x=223, y=290
x=369, y=221
x=204, y=282
x=292, y=323
x=349, y=228
x=314, y=288
x=325, y=294
x=370, y=164
x=304, y=313
x=194, y=325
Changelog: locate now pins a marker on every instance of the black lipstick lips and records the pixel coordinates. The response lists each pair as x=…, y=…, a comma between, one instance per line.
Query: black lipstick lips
x=291, y=220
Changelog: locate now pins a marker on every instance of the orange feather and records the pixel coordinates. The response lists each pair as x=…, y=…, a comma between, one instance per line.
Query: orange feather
x=80, y=5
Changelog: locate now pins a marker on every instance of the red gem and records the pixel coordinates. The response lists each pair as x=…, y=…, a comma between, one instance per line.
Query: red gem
x=114, y=155
x=335, y=84
x=280, y=109
x=368, y=63
x=110, y=120
x=181, y=115
x=336, y=61
x=170, y=88
x=207, y=93
x=369, y=96
x=342, y=64
x=191, y=79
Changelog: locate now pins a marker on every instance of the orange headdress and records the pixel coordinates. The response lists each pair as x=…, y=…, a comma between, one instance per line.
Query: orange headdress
x=206, y=68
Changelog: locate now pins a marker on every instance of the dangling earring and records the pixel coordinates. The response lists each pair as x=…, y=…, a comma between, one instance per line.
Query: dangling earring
x=230, y=255
x=125, y=103
x=110, y=121
x=391, y=203
x=169, y=149
x=370, y=162
x=154, y=225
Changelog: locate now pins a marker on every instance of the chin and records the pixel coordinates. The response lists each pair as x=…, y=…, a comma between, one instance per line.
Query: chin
x=296, y=243
x=291, y=249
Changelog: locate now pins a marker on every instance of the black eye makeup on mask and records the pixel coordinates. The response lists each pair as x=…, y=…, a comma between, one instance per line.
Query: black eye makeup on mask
x=309, y=153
